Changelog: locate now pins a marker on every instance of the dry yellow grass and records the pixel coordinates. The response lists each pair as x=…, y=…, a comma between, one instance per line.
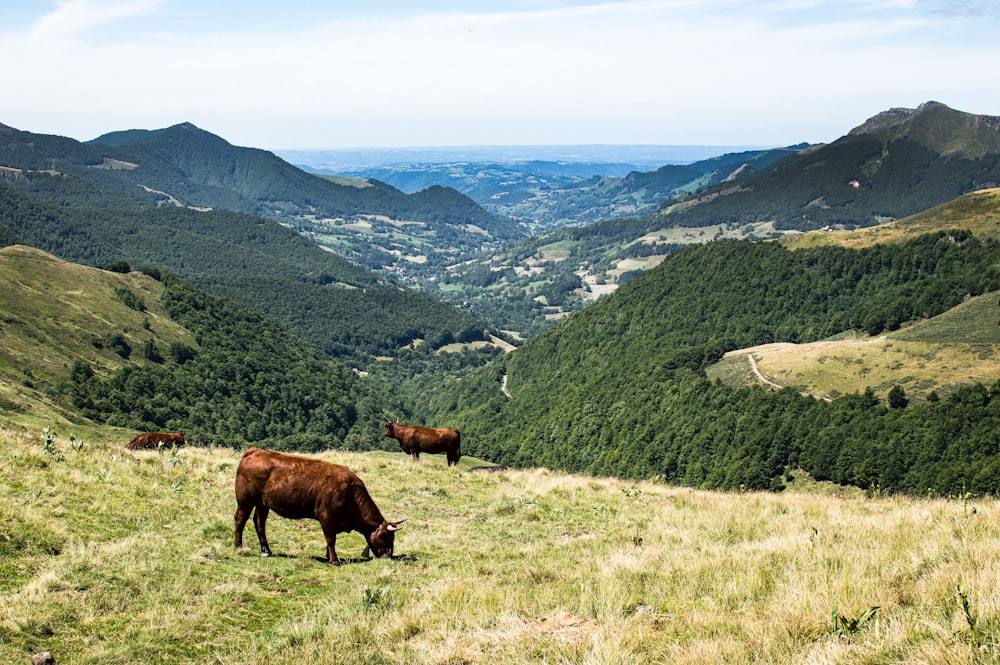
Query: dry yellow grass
x=960, y=347
x=116, y=557
x=831, y=368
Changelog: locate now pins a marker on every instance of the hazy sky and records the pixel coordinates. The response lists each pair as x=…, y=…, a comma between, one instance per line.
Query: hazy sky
x=328, y=74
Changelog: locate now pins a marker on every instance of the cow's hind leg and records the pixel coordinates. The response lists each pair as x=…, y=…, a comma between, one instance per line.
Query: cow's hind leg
x=240, y=518
x=259, y=523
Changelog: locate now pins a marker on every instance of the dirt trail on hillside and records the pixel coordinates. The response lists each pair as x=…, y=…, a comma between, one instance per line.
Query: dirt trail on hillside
x=760, y=377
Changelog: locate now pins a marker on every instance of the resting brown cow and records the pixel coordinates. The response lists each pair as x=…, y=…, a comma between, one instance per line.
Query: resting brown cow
x=415, y=440
x=300, y=487
x=154, y=439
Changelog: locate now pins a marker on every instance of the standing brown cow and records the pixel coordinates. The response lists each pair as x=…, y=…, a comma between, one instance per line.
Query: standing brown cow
x=414, y=440
x=154, y=439
x=300, y=487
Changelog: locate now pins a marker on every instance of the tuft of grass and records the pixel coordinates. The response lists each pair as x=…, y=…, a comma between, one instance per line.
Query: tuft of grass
x=102, y=560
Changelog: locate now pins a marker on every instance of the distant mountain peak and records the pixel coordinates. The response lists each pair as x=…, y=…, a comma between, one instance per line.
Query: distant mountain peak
x=938, y=127
x=880, y=122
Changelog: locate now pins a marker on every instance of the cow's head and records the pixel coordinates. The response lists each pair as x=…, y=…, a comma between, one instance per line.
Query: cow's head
x=382, y=539
x=388, y=429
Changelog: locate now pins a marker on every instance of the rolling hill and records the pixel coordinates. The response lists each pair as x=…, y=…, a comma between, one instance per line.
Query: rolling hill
x=931, y=355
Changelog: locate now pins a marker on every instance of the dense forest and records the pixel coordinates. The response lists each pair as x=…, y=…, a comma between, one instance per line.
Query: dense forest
x=387, y=320
x=619, y=388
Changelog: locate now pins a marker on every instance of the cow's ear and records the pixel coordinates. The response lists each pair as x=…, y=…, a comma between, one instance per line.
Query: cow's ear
x=394, y=526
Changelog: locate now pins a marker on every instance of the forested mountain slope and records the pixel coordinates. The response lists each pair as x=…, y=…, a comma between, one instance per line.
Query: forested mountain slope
x=185, y=166
x=619, y=388
x=208, y=171
x=149, y=352
x=336, y=305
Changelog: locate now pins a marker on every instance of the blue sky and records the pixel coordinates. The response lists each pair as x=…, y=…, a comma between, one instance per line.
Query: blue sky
x=331, y=74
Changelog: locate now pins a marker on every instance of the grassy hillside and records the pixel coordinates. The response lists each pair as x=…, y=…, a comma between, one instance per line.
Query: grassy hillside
x=978, y=212
x=959, y=347
x=55, y=314
x=109, y=556
x=83, y=345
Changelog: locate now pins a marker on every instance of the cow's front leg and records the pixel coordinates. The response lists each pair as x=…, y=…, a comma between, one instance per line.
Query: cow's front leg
x=331, y=547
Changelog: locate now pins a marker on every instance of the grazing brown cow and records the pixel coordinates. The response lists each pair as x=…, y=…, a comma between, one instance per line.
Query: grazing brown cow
x=414, y=440
x=300, y=487
x=154, y=439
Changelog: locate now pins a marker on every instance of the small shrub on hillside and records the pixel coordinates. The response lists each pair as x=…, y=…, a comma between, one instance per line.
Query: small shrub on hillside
x=130, y=299
x=119, y=266
x=116, y=342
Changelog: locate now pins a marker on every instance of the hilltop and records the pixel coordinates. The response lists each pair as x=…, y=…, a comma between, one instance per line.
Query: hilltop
x=894, y=165
x=113, y=556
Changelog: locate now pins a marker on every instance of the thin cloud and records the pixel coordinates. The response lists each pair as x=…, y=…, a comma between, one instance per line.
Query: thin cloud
x=77, y=17
x=966, y=9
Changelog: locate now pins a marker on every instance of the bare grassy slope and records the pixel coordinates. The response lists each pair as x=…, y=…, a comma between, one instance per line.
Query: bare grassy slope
x=960, y=347
x=53, y=313
x=108, y=556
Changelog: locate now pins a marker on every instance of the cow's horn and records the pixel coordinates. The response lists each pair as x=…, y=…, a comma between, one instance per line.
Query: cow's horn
x=394, y=526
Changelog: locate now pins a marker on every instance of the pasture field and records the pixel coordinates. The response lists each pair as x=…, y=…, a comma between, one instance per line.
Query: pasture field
x=959, y=347
x=109, y=556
